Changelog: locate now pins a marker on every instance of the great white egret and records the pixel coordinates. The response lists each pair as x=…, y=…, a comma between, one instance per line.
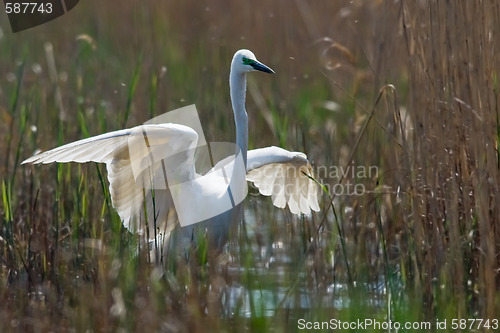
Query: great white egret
x=149, y=208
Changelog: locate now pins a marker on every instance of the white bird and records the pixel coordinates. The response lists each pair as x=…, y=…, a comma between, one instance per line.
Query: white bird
x=146, y=205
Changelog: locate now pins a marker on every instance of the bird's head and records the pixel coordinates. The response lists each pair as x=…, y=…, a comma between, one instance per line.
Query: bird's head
x=245, y=61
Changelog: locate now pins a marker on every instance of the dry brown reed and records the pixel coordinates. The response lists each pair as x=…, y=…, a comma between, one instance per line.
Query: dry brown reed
x=454, y=177
x=436, y=142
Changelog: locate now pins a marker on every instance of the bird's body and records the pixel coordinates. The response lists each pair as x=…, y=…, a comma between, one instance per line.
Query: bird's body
x=146, y=191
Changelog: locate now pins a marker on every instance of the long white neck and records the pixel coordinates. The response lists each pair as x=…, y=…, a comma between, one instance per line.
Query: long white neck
x=238, y=87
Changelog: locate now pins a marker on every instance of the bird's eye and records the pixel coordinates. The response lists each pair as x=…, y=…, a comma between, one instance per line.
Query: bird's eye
x=247, y=61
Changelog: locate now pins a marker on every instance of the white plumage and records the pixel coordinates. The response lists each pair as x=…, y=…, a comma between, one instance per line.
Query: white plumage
x=138, y=187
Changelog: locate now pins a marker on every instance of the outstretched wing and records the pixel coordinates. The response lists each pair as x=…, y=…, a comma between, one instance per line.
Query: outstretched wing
x=283, y=174
x=136, y=160
x=101, y=148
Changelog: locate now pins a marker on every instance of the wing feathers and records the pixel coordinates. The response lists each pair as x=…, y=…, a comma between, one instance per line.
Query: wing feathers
x=279, y=173
x=101, y=147
x=276, y=172
x=131, y=189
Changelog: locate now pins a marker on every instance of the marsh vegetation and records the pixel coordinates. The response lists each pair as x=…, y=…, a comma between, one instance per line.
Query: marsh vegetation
x=407, y=88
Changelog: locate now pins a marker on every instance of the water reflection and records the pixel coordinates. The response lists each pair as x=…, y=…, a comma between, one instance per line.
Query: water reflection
x=279, y=275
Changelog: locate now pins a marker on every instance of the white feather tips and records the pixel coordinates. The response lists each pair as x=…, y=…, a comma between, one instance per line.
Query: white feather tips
x=288, y=183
